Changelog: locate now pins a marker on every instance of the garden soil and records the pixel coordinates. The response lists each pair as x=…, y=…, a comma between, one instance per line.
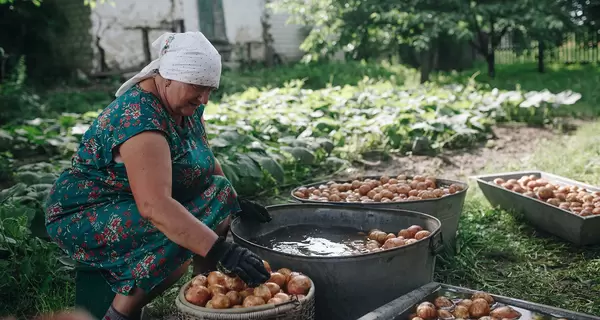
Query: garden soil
x=512, y=143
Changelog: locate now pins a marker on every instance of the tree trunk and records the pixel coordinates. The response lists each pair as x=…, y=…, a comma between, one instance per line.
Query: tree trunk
x=541, y=57
x=424, y=74
x=428, y=62
x=491, y=62
x=425, y=68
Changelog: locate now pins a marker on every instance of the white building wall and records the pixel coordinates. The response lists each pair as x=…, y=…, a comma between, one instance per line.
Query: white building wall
x=286, y=37
x=243, y=24
x=112, y=22
x=190, y=15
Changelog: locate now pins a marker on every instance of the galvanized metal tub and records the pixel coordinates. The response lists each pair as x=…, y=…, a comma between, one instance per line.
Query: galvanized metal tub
x=402, y=307
x=447, y=209
x=559, y=222
x=349, y=286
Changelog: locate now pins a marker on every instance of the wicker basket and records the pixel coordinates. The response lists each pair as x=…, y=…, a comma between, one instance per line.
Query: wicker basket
x=292, y=310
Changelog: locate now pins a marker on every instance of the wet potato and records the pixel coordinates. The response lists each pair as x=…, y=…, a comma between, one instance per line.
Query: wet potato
x=377, y=240
x=479, y=306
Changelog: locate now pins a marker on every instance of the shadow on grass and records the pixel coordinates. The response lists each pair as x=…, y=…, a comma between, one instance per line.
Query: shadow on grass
x=584, y=79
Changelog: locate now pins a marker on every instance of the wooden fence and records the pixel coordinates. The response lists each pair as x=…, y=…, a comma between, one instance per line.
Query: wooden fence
x=577, y=48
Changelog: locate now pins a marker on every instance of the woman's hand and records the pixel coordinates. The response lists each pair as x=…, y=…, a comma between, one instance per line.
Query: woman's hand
x=233, y=259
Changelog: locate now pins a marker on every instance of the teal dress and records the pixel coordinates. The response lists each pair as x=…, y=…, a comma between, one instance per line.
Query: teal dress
x=91, y=213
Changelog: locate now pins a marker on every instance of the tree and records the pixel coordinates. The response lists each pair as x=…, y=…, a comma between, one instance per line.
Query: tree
x=367, y=29
x=490, y=20
x=585, y=13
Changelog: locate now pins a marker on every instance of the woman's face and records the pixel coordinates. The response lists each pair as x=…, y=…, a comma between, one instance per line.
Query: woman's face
x=183, y=98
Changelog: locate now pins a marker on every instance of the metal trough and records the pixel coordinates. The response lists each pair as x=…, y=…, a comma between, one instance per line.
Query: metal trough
x=402, y=307
x=342, y=282
x=448, y=209
x=559, y=222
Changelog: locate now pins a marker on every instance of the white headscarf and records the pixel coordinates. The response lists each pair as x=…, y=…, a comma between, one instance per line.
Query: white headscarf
x=186, y=57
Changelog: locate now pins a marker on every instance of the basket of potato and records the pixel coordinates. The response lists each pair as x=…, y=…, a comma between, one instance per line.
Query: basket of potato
x=286, y=295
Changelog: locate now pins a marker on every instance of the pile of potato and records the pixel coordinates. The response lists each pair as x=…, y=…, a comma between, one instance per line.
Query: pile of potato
x=571, y=198
x=219, y=291
x=378, y=240
x=385, y=189
x=480, y=306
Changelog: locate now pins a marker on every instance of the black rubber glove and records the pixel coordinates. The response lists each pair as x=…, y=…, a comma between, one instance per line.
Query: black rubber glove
x=232, y=259
x=253, y=211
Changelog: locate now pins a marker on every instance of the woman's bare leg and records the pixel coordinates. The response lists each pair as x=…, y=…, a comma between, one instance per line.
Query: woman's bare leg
x=199, y=264
x=131, y=306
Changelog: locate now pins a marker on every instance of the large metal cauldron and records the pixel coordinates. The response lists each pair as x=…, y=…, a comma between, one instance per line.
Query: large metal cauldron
x=349, y=286
x=448, y=209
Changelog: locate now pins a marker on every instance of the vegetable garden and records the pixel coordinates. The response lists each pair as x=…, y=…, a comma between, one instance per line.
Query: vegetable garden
x=273, y=138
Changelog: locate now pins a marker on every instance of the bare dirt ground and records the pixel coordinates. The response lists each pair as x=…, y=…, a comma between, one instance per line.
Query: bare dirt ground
x=512, y=143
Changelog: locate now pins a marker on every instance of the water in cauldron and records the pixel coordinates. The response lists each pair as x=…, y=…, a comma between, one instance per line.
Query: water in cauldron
x=312, y=240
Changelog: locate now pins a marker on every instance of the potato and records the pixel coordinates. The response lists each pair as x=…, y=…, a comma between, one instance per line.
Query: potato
x=564, y=205
x=518, y=189
x=479, y=308
x=508, y=185
x=553, y=201
x=545, y=193
x=364, y=189
x=387, y=194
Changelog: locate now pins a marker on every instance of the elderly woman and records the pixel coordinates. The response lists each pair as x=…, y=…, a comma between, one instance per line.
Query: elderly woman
x=145, y=195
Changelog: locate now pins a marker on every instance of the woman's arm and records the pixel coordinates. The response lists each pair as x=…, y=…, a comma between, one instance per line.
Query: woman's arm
x=147, y=160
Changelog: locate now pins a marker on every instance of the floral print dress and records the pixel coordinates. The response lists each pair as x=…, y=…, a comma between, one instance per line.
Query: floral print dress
x=91, y=213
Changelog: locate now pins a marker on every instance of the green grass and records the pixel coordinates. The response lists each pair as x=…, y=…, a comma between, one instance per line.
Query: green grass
x=499, y=252
x=314, y=75
x=77, y=101
x=584, y=79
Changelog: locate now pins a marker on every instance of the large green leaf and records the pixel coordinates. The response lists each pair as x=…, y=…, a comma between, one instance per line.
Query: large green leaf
x=271, y=166
x=300, y=154
x=246, y=166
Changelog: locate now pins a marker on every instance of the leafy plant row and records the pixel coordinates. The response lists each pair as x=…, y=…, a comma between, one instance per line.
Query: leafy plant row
x=258, y=134
x=381, y=115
